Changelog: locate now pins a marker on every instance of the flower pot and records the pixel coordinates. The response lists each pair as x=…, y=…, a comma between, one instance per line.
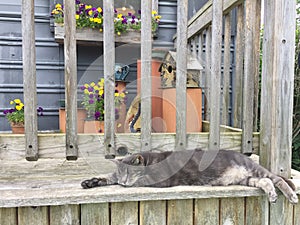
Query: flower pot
x=17, y=128
x=93, y=126
x=194, y=110
x=81, y=116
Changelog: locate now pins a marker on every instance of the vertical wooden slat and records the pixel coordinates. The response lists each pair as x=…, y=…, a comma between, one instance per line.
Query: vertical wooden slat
x=200, y=58
x=207, y=73
x=215, y=77
x=281, y=212
x=207, y=211
x=251, y=64
x=96, y=214
x=257, y=210
x=155, y=5
x=180, y=212
x=8, y=216
x=109, y=77
x=153, y=213
x=226, y=69
x=239, y=65
x=33, y=215
x=232, y=211
x=277, y=86
x=29, y=79
x=70, y=79
x=146, y=82
x=65, y=215
x=297, y=213
x=124, y=213
x=181, y=70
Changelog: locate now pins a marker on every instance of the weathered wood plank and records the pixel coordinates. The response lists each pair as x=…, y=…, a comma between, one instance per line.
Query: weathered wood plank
x=207, y=211
x=109, y=78
x=8, y=216
x=281, y=212
x=180, y=212
x=29, y=79
x=257, y=210
x=33, y=215
x=96, y=214
x=204, y=16
x=52, y=146
x=232, y=211
x=215, y=77
x=207, y=73
x=226, y=70
x=181, y=75
x=239, y=65
x=251, y=69
x=153, y=213
x=65, y=215
x=70, y=80
x=297, y=213
x=124, y=213
x=277, y=86
x=146, y=80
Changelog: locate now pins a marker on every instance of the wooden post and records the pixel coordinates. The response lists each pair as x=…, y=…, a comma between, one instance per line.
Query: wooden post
x=226, y=70
x=277, y=86
x=29, y=79
x=109, y=78
x=215, y=77
x=251, y=69
x=146, y=81
x=207, y=72
x=181, y=70
x=70, y=80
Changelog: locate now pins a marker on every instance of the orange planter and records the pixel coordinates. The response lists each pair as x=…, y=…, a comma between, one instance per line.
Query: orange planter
x=194, y=109
x=157, y=124
x=81, y=116
x=17, y=129
x=92, y=126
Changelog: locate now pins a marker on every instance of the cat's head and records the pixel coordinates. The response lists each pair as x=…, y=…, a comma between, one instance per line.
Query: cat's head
x=130, y=170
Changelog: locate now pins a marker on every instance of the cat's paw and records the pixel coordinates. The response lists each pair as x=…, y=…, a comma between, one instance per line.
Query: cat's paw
x=94, y=182
x=293, y=198
x=272, y=197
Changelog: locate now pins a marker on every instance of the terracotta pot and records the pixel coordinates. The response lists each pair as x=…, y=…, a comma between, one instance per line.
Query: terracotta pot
x=93, y=126
x=157, y=124
x=81, y=116
x=17, y=129
x=194, y=109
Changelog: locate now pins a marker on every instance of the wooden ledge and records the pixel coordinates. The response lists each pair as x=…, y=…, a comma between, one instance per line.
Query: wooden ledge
x=74, y=194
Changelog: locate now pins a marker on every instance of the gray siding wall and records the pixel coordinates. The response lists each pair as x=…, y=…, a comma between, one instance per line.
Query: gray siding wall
x=50, y=58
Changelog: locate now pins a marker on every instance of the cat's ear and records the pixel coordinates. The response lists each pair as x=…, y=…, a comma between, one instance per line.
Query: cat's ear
x=138, y=160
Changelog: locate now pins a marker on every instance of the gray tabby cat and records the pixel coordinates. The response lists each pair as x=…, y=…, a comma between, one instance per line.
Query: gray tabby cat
x=195, y=167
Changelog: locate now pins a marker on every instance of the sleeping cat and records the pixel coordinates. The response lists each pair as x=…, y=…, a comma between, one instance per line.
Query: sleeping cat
x=194, y=167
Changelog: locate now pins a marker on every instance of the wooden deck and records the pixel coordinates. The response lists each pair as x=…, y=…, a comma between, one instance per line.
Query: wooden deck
x=48, y=191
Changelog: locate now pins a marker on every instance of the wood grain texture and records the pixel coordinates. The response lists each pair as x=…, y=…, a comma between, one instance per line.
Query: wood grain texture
x=277, y=86
x=215, y=77
x=207, y=73
x=257, y=210
x=94, y=214
x=181, y=75
x=207, y=211
x=297, y=213
x=146, y=73
x=153, y=213
x=180, y=212
x=281, y=212
x=232, y=211
x=70, y=55
x=29, y=79
x=65, y=215
x=8, y=216
x=124, y=213
x=109, y=77
x=33, y=215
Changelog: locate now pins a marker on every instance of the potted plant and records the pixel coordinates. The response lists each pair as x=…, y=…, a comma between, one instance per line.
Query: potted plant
x=89, y=20
x=93, y=102
x=15, y=115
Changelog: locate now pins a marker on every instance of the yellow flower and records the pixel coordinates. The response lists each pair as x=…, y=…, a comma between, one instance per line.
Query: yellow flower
x=90, y=12
x=154, y=12
x=122, y=95
x=120, y=16
x=101, y=92
x=77, y=17
x=98, y=20
x=58, y=5
x=19, y=107
x=157, y=17
x=99, y=9
x=86, y=91
x=117, y=94
x=92, y=84
x=11, y=102
x=88, y=6
x=119, y=33
x=92, y=19
x=101, y=30
x=17, y=101
x=86, y=85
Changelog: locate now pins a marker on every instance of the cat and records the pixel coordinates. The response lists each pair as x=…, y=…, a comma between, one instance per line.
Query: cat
x=194, y=167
